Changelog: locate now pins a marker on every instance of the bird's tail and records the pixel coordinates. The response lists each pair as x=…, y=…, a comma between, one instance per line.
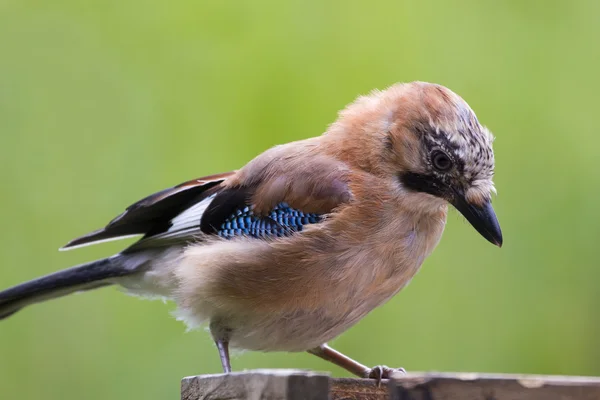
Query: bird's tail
x=83, y=277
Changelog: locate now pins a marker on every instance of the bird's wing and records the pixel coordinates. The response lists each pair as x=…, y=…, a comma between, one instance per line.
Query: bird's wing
x=276, y=194
x=155, y=212
x=272, y=196
x=260, y=201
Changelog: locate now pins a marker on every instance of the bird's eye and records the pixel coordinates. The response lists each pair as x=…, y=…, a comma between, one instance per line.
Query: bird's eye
x=441, y=161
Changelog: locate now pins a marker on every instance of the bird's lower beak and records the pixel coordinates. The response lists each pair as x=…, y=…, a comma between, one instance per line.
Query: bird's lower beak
x=482, y=218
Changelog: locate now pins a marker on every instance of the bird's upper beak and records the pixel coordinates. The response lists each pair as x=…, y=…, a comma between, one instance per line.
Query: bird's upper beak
x=481, y=217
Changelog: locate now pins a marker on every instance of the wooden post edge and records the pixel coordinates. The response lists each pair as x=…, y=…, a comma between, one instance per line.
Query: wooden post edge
x=300, y=384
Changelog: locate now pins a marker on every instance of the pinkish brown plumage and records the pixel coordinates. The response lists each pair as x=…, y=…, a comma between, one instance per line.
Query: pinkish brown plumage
x=297, y=246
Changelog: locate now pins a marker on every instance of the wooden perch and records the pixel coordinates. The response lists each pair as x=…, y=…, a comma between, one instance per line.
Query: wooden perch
x=296, y=385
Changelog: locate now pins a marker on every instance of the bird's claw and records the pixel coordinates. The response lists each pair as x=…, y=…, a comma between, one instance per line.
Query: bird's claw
x=384, y=372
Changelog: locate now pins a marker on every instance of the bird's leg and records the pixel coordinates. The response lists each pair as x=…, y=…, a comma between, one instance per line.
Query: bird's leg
x=378, y=373
x=223, y=347
x=329, y=354
x=221, y=333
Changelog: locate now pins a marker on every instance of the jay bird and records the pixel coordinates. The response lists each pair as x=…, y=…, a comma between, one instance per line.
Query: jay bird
x=298, y=245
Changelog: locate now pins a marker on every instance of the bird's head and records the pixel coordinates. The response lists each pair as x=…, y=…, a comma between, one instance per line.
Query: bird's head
x=426, y=140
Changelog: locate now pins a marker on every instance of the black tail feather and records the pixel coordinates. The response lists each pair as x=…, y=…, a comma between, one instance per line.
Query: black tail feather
x=82, y=277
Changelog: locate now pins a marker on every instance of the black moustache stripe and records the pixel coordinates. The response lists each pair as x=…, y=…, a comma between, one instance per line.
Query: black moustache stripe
x=423, y=183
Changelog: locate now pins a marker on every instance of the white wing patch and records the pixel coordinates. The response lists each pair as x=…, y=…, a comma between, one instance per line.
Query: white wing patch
x=183, y=227
x=98, y=241
x=190, y=218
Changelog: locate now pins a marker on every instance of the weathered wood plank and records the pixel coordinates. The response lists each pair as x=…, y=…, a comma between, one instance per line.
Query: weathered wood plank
x=295, y=385
x=438, y=386
x=257, y=384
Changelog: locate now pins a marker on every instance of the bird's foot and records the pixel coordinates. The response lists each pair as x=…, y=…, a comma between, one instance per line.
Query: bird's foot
x=384, y=372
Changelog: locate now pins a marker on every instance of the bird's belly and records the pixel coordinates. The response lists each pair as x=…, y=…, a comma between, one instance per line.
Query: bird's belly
x=301, y=329
x=272, y=297
x=293, y=328
x=298, y=332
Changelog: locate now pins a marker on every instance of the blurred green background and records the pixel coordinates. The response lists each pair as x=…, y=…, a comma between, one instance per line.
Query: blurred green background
x=104, y=102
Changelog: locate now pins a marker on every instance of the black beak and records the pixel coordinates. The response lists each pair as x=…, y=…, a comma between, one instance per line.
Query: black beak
x=482, y=218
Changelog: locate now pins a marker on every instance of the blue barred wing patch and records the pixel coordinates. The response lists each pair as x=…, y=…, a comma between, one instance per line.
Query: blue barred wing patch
x=281, y=221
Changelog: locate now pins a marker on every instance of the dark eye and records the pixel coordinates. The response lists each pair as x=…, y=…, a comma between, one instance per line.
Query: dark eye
x=441, y=161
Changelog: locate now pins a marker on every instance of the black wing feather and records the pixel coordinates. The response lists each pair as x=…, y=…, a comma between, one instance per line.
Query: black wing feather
x=154, y=213
x=222, y=207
